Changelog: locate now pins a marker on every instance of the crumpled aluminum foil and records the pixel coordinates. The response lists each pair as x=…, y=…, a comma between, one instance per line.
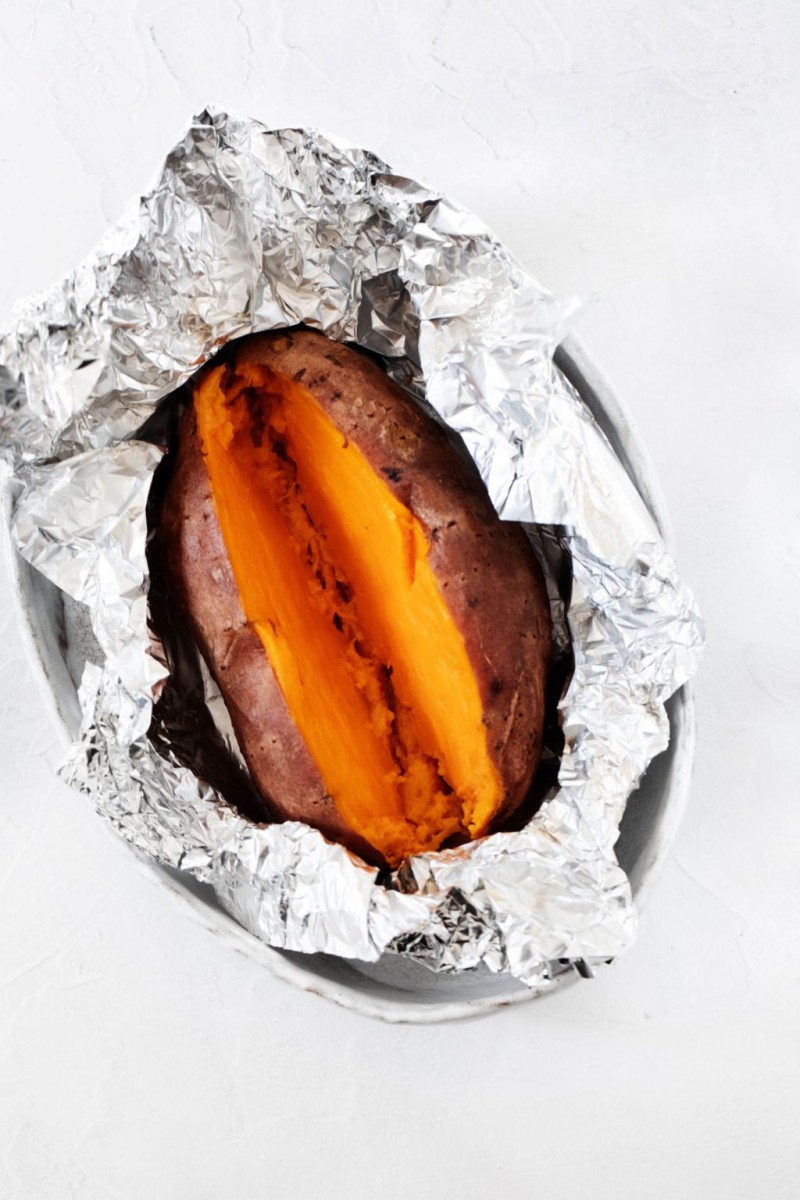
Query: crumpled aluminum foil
x=248, y=229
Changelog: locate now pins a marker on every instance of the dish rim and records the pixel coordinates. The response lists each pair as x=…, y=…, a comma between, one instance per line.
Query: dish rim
x=368, y=996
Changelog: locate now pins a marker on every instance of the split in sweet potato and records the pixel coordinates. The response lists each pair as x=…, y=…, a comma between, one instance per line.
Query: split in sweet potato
x=333, y=574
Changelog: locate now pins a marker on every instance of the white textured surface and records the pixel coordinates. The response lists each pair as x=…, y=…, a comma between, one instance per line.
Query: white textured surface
x=643, y=151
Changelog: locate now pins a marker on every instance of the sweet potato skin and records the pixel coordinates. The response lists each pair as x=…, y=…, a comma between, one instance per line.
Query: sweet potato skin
x=485, y=567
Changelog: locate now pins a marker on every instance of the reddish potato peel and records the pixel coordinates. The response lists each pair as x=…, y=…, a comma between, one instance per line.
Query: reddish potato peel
x=380, y=637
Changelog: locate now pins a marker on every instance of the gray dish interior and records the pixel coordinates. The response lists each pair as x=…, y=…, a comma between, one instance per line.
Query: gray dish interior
x=61, y=641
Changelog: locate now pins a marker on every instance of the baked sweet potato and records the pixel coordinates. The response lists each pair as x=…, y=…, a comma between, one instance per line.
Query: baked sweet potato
x=380, y=637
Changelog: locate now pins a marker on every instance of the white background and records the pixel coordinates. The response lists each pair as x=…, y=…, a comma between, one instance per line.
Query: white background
x=640, y=151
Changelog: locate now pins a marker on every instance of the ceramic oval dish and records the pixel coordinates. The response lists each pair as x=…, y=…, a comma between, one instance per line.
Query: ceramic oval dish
x=394, y=989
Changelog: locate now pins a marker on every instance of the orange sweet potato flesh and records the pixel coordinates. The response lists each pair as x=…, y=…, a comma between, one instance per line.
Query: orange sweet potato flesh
x=374, y=664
